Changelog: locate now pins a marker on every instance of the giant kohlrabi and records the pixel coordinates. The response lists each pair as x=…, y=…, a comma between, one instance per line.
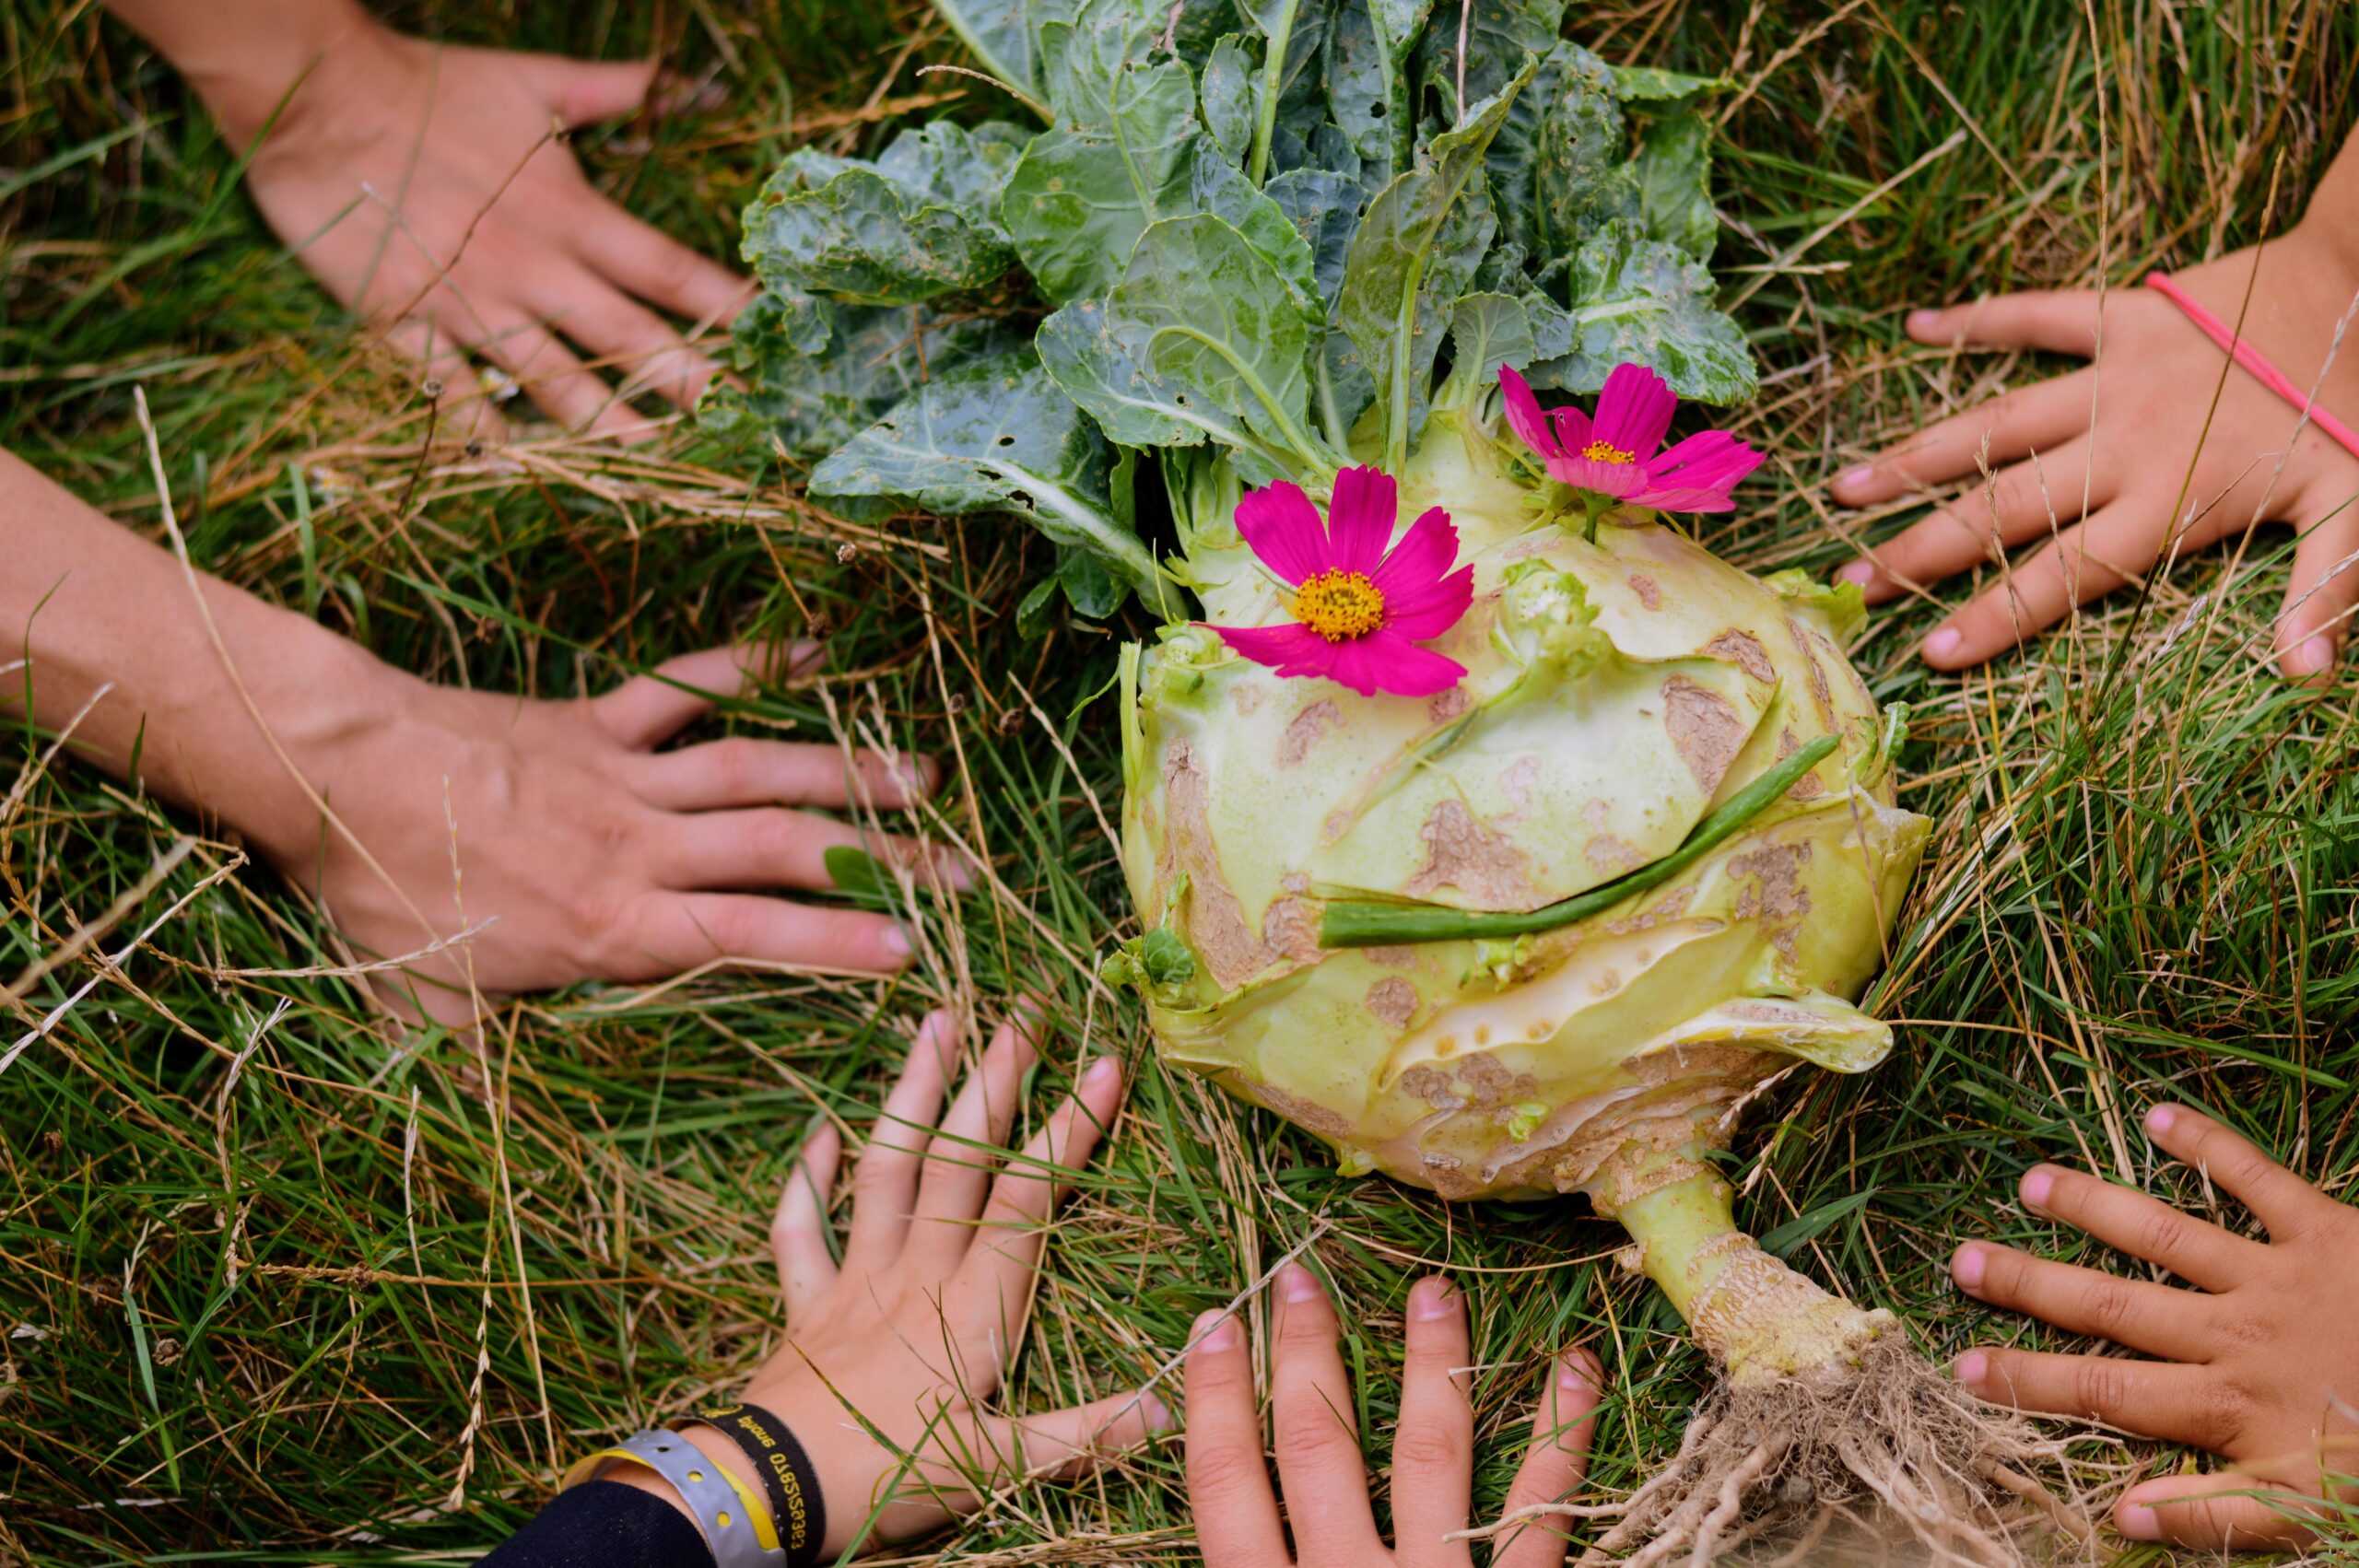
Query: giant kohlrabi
x=1543, y=928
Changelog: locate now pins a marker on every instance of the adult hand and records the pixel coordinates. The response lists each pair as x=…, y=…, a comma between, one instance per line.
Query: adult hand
x=1320, y=1465
x=2091, y=464
x=890, y=1357
x=2257, y=1363
x=594, y=855
x=430, y=189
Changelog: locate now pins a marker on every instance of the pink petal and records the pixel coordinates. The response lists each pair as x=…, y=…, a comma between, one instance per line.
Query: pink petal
x=1704, y=459
x=1524, y=413
x=1385, y=661
x=1282, y=526
x=1615, y=479
x=1291, y=649
x=1634, y=410
x=1424, y=552
x=1359, y=520
x=1572, y=430
x=1431, y=609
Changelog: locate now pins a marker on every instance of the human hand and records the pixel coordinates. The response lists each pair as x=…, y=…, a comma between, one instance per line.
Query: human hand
x=1320, y=1465
x=2094, y=468
x=911, y=1334
x=430, y=189
x=2258, y=1362
x=596, y=856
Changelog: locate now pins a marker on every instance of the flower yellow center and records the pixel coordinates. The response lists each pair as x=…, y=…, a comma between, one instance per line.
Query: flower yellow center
x=1338, y=605
x=1597, y=452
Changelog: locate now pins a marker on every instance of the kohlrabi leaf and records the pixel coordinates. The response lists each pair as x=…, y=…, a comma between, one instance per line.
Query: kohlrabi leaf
x=1644, y=301
x=1561, y=140
x=996, y=434
x=1003, y=36
x=1289, y=93
x=1079, y=200
x=1224, y=331
x=1220, y=189
x=1651, y=85
x=1499, y=35
x=1408, y=262
x=1085, y=58
x=1675, y=172
x=1361, y=84
x=1324, y=207
x=869, y=358
x=921, y=221
x=1227, y=92
x=1485, y=331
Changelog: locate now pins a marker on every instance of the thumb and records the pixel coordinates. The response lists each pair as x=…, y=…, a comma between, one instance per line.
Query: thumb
x=1069, y=1441
x=2226, y=1512
x=2324, y=585
x=580, y=92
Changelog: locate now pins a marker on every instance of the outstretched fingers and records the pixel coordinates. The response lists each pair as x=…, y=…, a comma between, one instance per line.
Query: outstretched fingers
x=2079, y=565
x=2226, y=1512
x=2029, y=500
x=2011, y=427
x=1001, y=1266
x=806, y=1267
x=653, y=708
x=2280, y=1200
x=742, y=770
x=2135, y=1312
x=2321, y=594
x=885, y=1179
x=960, y=1160
x=1228, y=1483
x=2143, y=1227
x=1563, y=1429
x=2178, y=1404
x=1433, y=1450
x=1321, y=1468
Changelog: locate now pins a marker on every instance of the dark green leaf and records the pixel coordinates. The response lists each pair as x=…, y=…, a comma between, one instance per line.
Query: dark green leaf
x=1077, y=203
x=1500, y=34
x=1324, y=207
x=1563, y=137
x=921, y=221
x=1221, y=189
x=1486, y=332
x=1232, y=76
x=1785, y=1240
x=1003, y=36
x=1642, y=300
x=856, y=871
x=1674, y=171
x=1409, y=261
x=994, y=435
x=1651, y=85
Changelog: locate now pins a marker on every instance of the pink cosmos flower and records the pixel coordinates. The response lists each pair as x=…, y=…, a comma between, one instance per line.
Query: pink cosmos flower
x=1616, y=454
x=1359, y=610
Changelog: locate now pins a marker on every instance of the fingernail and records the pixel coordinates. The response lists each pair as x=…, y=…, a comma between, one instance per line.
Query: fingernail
x=1852, y=478
x=804, y=656
x=1918, y=320
x=2159, y=1119
x=897, y=945
x=1573, y=1374
x=2317, y=653
x=1298, y=1283
x=1972, y=1367
x=1102, y=1071
x=1966, y=1268
x=954, y=872
x=2038, y=1182
x=1215, y=1331
x=2137, y=1521
x=1944, y=643
x=1430, y=1299
x=1861, y=572
x=1158, y=1413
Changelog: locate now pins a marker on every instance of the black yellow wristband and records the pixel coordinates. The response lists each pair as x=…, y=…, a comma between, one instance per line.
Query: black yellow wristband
x=796, y=1507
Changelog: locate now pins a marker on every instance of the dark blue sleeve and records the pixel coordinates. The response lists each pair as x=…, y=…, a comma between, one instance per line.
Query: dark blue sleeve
x=601, y=1523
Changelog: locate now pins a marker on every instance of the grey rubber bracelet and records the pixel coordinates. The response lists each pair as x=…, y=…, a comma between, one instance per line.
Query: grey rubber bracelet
x=730, y=1517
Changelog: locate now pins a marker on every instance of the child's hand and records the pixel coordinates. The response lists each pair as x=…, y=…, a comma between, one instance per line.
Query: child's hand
x=2259, y=1362
x=2090, y=465
x=889, y=1358
x=1320, y=1466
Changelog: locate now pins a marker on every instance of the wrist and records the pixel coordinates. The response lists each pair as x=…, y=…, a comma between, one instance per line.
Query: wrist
x=247, y=59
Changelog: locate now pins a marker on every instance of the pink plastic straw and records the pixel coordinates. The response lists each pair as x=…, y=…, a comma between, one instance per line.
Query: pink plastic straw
x=2254, y=360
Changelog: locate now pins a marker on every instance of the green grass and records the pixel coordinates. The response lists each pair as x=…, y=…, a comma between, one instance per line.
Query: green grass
x=250, y=1241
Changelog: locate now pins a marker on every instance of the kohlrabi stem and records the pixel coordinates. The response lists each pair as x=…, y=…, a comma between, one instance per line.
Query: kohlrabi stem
x=1763, y=1320
x=1274, y=68
x=1363, y=924
x=1596, y=506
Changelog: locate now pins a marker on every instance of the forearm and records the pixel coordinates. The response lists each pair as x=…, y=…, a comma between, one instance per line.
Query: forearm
x=243, y=57
x=113, y=641
x=2332, y=216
